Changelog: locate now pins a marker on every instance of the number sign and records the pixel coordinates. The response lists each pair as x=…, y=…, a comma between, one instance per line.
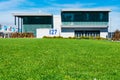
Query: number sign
x=53, y=31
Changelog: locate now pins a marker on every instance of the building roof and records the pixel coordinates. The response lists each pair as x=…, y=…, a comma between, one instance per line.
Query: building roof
x=30, y=14
x=108, y=10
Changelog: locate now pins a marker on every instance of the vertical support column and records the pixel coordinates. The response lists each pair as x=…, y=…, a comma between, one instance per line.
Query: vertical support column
x=18, y=25
x=21, y=24
x=52, y=21
x=15, y=20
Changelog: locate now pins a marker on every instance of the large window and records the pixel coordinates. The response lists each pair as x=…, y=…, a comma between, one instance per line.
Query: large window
x=37, y=20
x=77, y=16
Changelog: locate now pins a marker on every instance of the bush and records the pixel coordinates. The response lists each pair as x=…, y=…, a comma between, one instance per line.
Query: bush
x=57, y=37
x=84, y=37
x=46, y=37
x=92, y=37
x=22, y=35
x=71, y=37
x=52, y=37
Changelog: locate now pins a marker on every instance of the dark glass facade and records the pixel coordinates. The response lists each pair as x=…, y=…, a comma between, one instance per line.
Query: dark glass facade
x=84, y=16
x=91, y=22
x=38, y=20
x=31, y=23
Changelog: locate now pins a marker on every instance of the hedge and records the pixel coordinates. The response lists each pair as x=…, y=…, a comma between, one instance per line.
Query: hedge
x=22, y=35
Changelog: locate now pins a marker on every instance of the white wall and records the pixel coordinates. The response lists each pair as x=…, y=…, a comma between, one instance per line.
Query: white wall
x=47, y=32
x=56, y=31
x=67, y=34
x=57, y=22
x=42, y=32
x=103, y=34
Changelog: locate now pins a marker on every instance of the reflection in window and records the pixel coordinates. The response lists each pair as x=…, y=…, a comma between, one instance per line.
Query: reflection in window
x=101, y=16
x=78, y=16
x=87, y=16
x=37, y=20
x=68, y=16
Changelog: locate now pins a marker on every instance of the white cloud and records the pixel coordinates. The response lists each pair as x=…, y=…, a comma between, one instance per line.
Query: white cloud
x=69, y=5
x=55, y=8
x=113, y=8
x=75, y=5
x=10, y=4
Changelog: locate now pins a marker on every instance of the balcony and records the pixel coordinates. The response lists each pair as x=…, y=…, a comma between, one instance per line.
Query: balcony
x=84, y=24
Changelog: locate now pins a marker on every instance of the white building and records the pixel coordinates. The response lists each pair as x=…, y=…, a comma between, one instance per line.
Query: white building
x=71, y=23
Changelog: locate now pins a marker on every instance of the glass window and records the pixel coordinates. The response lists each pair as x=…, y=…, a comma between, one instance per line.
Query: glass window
x=37, y=20
x=68, y=17
x=101, y=16
x=87, y=16
x=90, y=16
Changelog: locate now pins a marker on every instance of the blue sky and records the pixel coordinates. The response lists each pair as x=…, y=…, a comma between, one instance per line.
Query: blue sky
x=7, y=7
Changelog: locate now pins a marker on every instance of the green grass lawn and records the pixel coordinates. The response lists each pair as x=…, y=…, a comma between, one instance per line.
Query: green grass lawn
x=59, y=59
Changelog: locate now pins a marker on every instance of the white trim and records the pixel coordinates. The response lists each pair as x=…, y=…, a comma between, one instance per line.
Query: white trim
x=31, y=14
x=84, y=26
x=109, y=10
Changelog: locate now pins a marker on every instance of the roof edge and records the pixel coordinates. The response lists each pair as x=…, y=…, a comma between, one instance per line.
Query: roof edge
x=108, y=10
x=31, y=14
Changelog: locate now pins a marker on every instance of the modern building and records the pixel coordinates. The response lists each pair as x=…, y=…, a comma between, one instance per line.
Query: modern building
x=30, y=22
x=71, y=23
x=85, y=22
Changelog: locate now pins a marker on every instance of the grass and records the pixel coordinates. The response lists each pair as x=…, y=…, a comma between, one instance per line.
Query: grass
x=59, y=59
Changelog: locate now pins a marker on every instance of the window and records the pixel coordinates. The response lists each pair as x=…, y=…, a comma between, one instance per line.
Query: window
x=101, y=16
x=87, y=16
x=37, y=20
x=68, y=17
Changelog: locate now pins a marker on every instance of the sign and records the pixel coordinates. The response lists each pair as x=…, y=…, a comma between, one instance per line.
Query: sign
x=53, y=31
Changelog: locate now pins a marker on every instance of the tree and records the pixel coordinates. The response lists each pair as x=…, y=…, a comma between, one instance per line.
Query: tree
x=116, y=36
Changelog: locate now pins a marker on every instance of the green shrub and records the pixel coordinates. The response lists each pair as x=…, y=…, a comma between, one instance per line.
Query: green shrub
x=71, y=37
x=57, y=37
x=92, y=37
x=84, y=37
x=52, y=37
x=47, y=37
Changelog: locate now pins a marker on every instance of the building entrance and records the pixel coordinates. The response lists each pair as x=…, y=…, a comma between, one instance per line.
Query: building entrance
x=87, y=33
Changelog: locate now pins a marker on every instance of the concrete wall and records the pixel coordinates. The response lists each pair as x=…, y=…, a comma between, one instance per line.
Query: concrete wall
x=58, y=30
x=57, y=22
x=55, y=31
x=70, y=32
x=103, y=34
x=47, y=32
x=67, y=32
